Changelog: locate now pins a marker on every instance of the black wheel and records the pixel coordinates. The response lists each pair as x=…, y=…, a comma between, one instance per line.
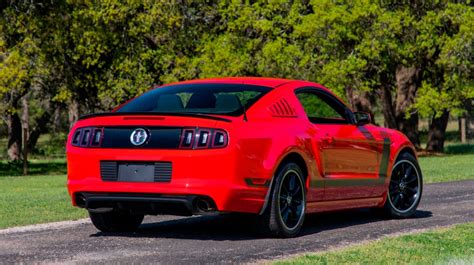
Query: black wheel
x=285, y=212
x=405, y=188
x=116, y=221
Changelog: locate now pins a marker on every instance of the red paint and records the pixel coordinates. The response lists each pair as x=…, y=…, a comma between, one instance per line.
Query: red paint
x=255, y=148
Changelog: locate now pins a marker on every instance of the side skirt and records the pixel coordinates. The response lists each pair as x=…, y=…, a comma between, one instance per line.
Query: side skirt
x=326, y=206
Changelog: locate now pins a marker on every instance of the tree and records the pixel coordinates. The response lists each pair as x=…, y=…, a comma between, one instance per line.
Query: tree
x=395, y=51
x=447, y=40
x=18, y=67
x=406, y=59
x=24, y=69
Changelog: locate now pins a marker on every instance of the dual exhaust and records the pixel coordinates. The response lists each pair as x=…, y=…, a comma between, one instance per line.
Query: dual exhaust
x=179, y=205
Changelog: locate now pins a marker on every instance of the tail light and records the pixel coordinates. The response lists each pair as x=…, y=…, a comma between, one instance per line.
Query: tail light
x=187, y=139
x=87, y=137
x=97, y=137
x=191, y=138
x=220, y=139
x=203, y=138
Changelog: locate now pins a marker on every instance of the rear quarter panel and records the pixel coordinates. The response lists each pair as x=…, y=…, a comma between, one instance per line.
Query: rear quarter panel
x=265, y=140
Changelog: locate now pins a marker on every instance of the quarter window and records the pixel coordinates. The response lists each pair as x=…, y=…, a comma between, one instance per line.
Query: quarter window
x=321, y=108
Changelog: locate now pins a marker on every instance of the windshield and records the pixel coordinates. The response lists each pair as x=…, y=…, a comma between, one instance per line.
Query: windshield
x=222, y=99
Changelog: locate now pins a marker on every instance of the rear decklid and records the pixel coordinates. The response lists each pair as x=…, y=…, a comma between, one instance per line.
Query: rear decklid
x=126, y=130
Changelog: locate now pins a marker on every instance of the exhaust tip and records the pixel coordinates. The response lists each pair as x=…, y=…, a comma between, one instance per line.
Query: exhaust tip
x=80, y=200
x=204, y=205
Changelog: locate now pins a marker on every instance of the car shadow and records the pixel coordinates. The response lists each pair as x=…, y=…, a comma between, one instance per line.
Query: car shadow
x=238, y=227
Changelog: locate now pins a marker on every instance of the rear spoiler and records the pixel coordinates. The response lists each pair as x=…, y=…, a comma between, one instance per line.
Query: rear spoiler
x=193, y=115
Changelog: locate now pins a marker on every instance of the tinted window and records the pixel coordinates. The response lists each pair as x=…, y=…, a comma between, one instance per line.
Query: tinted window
x=321, y=108
x=226, y=99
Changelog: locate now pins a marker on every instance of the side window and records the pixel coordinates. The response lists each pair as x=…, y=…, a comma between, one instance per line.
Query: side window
x=321, y=108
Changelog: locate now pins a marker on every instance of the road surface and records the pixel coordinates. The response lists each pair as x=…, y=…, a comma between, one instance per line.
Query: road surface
x=227, y=239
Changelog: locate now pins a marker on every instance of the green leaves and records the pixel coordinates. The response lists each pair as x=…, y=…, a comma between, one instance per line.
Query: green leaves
x=107, y=51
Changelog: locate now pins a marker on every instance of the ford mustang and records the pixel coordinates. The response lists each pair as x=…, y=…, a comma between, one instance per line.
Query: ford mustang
x=275, y=148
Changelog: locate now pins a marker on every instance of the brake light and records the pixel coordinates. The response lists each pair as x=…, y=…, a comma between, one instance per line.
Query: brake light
x=187, y=139
x=203, y=138
x=76, y=139
x=220, y=139
x=97, y=137
x=87, y=137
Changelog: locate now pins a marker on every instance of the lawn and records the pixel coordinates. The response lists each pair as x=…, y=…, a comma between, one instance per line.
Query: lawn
x=35, y=199
x=447, y=168
x=454, y=245
x=42, y=196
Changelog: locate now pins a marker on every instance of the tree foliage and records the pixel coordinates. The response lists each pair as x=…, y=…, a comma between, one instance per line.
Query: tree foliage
x=405, y=59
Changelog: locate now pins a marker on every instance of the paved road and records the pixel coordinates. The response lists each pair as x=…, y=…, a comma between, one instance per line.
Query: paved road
x=226, y=239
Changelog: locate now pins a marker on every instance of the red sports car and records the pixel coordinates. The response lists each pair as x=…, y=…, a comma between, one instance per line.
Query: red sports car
x=275, y=148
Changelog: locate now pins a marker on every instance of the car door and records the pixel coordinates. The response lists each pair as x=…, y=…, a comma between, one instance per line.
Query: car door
x=349, y=153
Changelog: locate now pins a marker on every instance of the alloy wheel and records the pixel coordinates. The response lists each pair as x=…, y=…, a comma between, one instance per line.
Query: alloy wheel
x=404, y=188
x=291, y=199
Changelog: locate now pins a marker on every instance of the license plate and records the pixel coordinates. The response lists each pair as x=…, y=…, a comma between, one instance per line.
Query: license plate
x=136, y=172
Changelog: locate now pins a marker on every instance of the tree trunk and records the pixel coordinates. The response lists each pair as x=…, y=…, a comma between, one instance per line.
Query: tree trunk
x=73, y=112
x=463, y=129
x=56, y=123
x=469, y=115
x=14, y=136
x=42, y=126
x=387, y=107
x=437, y=132
x=408, y=81
x=25, y=123
x=360, y=101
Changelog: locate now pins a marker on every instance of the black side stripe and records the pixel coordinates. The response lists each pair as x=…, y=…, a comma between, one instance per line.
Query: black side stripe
x=385, y=158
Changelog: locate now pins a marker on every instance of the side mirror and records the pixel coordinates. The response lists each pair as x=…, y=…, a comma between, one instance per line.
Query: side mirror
x=362, y=118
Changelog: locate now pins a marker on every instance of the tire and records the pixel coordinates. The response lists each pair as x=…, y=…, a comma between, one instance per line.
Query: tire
x=116, y=221
x=285, y=212
x=405, y=188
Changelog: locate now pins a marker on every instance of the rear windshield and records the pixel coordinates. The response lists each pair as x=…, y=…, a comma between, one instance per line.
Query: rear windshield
x=223, y=99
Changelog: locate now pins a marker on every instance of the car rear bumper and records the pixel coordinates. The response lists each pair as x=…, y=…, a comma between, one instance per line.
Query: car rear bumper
x=185, y=205
x=211, y=174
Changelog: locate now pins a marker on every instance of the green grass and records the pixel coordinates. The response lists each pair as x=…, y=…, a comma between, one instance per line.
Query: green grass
x=35, y=199
x=454, y=245
x=458, y=148
x=447, y=168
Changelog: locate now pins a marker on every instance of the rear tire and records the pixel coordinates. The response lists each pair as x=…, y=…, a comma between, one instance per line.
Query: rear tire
x=405, y=188
x=116, y=221
x=285, y=212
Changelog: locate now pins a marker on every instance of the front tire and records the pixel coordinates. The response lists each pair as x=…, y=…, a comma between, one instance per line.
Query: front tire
x=116, y=221
x=285, y=212
x=405, y=188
